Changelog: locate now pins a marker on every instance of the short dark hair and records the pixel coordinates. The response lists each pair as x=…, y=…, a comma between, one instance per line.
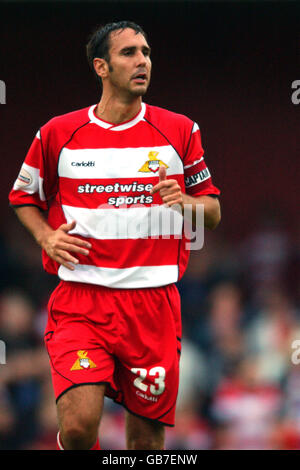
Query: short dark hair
x=98, y=44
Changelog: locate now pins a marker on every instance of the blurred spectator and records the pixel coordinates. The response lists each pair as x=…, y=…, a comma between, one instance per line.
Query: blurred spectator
x=222, y=336
x=193, y=373
x=214, y=263
x=246, y=409
x=46, y=418
x=270, y=334
x=21, y=376
x=191, y=430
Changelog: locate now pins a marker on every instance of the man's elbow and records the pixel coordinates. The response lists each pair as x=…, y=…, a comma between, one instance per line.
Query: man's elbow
x=214, y=223
x=214, y=218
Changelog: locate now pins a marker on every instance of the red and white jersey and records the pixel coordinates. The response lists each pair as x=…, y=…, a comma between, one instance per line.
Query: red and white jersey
x=100, y=175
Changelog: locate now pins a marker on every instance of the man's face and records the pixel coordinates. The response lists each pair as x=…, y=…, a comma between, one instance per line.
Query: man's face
x=129, y=64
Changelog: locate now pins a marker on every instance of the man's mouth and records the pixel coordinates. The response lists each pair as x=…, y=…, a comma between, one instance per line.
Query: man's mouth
x=140, y=77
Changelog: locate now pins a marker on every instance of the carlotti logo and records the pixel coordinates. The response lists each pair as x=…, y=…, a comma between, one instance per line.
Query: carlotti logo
x=88, y=164
x=153, y=163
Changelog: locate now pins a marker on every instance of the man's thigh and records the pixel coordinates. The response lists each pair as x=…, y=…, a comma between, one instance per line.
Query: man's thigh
x=81, y=405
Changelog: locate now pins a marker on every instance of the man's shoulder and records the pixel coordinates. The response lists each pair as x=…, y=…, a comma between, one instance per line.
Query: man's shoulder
x=156, y=115
x=68, y=122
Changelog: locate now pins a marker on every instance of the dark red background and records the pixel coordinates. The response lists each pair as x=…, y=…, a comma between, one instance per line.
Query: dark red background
x=228, y=66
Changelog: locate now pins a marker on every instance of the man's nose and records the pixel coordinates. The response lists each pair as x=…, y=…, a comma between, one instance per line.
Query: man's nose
x=141, y=59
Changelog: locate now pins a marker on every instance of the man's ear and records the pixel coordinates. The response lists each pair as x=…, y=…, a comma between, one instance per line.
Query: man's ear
x=101, y=67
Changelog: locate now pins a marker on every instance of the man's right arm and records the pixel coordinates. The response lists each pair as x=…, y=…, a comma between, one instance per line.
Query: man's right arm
x=57, y=243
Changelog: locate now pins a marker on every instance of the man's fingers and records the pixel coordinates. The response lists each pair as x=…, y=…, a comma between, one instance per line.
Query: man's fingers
x=171, y=197
x=60, y=244
x=67, y=227
x=169, y=191
x=173, y=202
x=64, y=237
x=163, y=184
x=162, y=173
x=61, y=261
x=71, y=247
x=76, y=241
x=67, y=257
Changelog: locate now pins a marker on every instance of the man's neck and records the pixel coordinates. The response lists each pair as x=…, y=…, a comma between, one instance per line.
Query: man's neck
x=116, y=111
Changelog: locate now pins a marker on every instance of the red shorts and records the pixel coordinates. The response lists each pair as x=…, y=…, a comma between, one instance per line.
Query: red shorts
x=128, y=339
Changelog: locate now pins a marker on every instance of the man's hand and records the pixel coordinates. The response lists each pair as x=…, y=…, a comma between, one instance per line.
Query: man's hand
x=58, y=244
x=169, y=190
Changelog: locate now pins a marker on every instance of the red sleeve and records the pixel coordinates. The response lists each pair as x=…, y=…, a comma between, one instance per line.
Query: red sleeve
x=197, y=177
x=34, y=184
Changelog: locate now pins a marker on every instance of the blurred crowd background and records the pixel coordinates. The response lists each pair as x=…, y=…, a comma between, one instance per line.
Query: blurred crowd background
x=239, y=387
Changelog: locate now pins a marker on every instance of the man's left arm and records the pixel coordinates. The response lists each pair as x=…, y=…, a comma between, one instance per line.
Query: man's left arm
x=199, y=188
x=171, y=194
x=212, y=209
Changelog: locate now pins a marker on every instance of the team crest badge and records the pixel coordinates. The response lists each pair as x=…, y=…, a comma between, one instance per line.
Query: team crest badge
x=153, y=163
x=83, y=362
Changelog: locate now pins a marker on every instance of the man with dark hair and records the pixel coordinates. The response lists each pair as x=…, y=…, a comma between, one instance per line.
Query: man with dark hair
x=98, y=45
x=108, y=175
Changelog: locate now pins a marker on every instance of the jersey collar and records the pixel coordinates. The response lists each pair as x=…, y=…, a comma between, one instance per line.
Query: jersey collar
x=119, y=127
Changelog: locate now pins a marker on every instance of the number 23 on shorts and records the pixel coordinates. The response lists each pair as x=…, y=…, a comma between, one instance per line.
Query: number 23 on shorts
x=159, y=386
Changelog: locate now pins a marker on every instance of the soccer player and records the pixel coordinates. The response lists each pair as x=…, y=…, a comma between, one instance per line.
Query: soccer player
x=109, y=176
